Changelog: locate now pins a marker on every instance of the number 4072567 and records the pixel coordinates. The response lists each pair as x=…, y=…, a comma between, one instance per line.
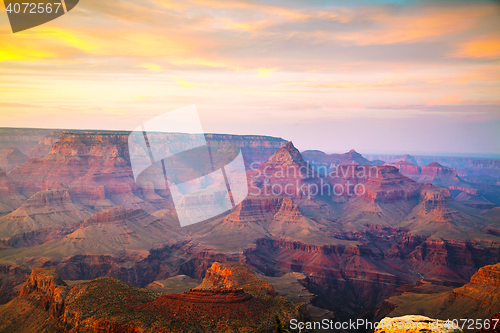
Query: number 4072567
x=471, y=324
x=33, y=8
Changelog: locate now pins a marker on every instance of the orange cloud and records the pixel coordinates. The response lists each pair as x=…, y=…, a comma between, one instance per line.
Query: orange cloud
x=151, y=67
x=47, y=42
x=263, y=72
x=425, y=25
x=184, y=83
x=343, y=85
x=484, y=47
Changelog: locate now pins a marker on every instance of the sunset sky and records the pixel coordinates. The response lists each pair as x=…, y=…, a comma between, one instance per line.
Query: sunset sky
x=420, y=77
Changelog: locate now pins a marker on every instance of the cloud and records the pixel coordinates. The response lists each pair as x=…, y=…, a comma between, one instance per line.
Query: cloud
x=185, y=84
x=151, y=67
x=487, y=47
x=16, y=105
x=263, y=72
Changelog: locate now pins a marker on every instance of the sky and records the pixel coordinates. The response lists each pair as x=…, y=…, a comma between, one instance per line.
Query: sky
x=419, y=77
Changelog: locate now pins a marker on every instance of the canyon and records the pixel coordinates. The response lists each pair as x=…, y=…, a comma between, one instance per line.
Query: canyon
x=353, y=229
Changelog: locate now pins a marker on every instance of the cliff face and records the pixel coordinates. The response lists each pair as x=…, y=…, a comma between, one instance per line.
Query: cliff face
x=94, y=167
x=47, y=286
x=255, y=148
x=332, y=272
x=488, y=275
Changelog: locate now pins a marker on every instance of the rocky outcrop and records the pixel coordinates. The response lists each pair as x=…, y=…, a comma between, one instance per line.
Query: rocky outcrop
x=115, y=230
x=93, y=166
x=48, y=288
x=385, y=184
x=287, y=155
x=232, y=275
x=285, y=174
x=289, y=211
x=487, y=275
